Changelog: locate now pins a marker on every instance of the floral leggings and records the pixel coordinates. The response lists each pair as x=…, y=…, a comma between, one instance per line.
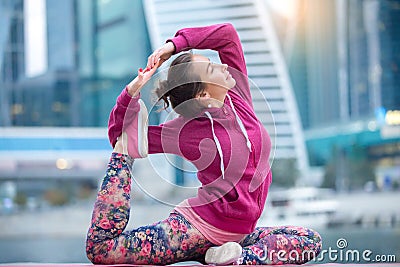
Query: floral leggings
x=175, y=239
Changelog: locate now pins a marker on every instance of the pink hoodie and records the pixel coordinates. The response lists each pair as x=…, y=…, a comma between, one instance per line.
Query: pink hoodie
x=233, y=191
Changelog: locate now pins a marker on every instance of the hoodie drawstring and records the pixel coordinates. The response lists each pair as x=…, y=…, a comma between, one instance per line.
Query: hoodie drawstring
x=242, y=128
x=218, y=144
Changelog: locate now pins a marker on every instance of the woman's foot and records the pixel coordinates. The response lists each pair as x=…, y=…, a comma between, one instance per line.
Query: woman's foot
x=225, y=254
x=133, y=141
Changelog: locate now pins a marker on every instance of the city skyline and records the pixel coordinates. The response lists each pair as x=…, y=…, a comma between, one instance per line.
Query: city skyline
x=340, y=56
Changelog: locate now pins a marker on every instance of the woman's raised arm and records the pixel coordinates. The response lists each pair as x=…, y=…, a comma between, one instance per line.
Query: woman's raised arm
x=127, y=99
x=222, y=38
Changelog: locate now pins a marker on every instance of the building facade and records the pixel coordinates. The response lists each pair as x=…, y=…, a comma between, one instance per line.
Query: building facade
x=91, y=49
x=58, y=85
x=352, y=80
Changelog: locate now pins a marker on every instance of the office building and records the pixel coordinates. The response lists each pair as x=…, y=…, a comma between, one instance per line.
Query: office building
x=352, y=80
x=66, y=76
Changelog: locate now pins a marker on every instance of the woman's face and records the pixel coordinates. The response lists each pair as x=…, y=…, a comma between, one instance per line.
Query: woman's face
x=216, y=76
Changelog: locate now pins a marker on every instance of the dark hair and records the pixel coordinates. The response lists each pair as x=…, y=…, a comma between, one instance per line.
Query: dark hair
x=181, y=85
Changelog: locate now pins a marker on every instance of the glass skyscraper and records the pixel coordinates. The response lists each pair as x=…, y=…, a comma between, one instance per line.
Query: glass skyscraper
x=373, y=43
x=92, y=49
x=347, y=85
x=11, y=59
x=345, y=60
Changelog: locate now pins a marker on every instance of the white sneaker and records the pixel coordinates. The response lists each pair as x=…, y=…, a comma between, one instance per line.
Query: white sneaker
x=134, y=135
x=227, y=253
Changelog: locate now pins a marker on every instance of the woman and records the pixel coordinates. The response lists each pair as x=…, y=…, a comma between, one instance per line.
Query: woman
x=217, y=131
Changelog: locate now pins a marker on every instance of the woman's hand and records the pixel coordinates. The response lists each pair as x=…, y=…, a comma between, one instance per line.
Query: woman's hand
x=141, y=79
x=161, y=54
x=155, y=60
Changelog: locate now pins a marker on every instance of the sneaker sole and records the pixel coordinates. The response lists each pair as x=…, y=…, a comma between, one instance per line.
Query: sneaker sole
x=143, y=124
x=226, y=254
x=142, y=140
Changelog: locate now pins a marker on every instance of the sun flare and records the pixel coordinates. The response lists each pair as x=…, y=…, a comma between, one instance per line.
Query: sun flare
x=286, y=8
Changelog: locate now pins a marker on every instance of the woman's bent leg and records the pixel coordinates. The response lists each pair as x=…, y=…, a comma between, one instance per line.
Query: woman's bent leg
x=280, y=245
x=165, y=242
x=112, y=207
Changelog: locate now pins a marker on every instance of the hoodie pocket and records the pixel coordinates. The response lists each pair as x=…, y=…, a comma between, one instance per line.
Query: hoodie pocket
x=238, y=208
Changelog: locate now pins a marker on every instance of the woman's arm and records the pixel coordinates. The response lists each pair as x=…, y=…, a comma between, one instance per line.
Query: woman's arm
x=161, y=138
x=127, y=100
x=222, y=38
